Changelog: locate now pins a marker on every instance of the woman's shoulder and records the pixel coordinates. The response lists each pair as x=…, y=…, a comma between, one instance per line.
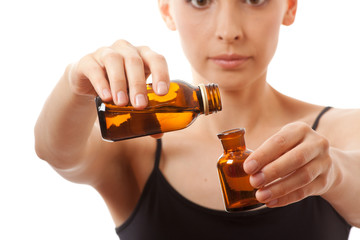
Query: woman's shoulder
x=342, y=117
x=342, y=127
x=330, y=116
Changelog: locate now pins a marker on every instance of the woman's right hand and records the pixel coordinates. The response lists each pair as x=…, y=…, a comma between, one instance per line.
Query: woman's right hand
x=119, y=73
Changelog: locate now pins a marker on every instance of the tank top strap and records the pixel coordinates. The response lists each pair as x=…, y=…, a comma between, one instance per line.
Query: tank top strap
x=317, y=120
x=158, y=153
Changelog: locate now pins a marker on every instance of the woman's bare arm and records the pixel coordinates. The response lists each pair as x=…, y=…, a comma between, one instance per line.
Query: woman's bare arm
x=65, y=133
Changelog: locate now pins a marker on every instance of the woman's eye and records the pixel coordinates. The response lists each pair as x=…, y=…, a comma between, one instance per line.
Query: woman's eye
x=255, y=2
x=200, y=3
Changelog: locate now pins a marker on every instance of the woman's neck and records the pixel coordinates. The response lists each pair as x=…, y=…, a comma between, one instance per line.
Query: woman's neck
x=249, y=107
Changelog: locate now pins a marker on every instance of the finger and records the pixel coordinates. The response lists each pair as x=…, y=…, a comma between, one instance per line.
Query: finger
x=95, y=73
x=286, y=164
x=135, y=73
x=157, y=66
x=136, y=81
x=291, y=184
x=275, y=146
x=297, y=195
x=114, y=65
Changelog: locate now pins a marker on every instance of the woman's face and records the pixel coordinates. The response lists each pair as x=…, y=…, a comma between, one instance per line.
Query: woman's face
x=230, y=42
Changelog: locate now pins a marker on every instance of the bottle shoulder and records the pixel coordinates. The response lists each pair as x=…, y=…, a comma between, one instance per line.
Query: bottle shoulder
x=235, y=155
x=182, y=83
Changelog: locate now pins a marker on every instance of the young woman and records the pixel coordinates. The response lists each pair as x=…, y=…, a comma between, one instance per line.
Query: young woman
x=167, y=187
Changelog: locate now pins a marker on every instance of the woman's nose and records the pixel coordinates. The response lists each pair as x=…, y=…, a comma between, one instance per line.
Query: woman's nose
x=228, y=25
x=228, y=37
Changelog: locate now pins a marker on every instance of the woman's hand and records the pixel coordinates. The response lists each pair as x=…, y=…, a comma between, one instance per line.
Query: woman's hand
x=290, y=166
x=119, y=73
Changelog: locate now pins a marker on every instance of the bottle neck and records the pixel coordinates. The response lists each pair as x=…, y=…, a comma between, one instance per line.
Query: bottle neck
x=209, y=98
x=233, y=140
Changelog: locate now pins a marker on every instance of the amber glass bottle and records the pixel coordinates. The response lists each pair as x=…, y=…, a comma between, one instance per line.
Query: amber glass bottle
x=238, y=194
x=176, y=110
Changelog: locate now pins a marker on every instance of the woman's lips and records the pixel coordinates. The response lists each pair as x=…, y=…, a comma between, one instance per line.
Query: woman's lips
x=231, y=61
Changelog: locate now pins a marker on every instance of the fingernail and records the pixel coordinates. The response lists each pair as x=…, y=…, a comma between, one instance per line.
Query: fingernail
x=251, y=166
x=121, y=98
x=106, y=93
x=257, y=180
x=162, y=88
x=140, y=100
x=263, y=195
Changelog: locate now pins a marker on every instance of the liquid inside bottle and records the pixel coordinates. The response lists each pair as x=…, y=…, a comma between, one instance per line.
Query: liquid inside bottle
x=238, y=194
x=174, y=111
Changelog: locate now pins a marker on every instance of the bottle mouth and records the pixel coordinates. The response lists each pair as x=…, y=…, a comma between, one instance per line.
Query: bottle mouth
x=215, y=103
x=211, y=99
x=232, y=133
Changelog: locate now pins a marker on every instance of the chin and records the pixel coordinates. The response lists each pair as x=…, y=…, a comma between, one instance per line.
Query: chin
x=228, y=80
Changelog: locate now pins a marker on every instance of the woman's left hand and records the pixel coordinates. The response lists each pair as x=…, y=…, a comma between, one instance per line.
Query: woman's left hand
x=291, y=165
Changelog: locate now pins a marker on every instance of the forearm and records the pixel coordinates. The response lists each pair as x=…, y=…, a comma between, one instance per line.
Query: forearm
x=345, y=191
x=64, y=125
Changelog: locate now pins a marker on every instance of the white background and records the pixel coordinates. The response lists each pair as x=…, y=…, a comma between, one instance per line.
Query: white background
x=317, y=61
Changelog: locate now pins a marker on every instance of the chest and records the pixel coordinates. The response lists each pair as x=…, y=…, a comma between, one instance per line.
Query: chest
x=192, y=172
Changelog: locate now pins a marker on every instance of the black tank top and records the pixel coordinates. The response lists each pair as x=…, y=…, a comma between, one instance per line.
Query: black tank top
x=162, y=213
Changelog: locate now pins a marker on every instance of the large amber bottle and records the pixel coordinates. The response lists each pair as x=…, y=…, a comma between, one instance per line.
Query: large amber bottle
x=238, y=194
x=176, y=110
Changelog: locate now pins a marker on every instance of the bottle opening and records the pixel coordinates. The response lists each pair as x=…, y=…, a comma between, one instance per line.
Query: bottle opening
x=214, y=98
x=232, y=133
x=211, y=100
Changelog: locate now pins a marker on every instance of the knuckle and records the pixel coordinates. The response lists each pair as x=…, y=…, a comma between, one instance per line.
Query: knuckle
x=117, y=82
x=86, y=66
x=147, y=51
x=93, y=69
x=299, y=158
x=84, y=62
x=121, y=42
x=307, y=176
x=279, y=140
x=75, y=70
x=144, y=48
x=302, y=127
x=259, y=154
x=100, y=50
x=134, y=60
x=324, y=143
x=297, y=127
x=159, y=57
x=110, y=56
x=138, y=86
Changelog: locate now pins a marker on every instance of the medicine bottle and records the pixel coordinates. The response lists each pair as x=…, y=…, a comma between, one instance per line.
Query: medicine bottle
x=173, y=111
x=238, y=194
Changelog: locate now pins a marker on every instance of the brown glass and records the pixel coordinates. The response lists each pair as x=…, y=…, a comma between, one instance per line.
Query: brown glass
x=238, y=194
x=174, y=111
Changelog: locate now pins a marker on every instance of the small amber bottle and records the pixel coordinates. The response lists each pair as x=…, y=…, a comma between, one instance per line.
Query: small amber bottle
x=173, y=111
x=238, y=194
